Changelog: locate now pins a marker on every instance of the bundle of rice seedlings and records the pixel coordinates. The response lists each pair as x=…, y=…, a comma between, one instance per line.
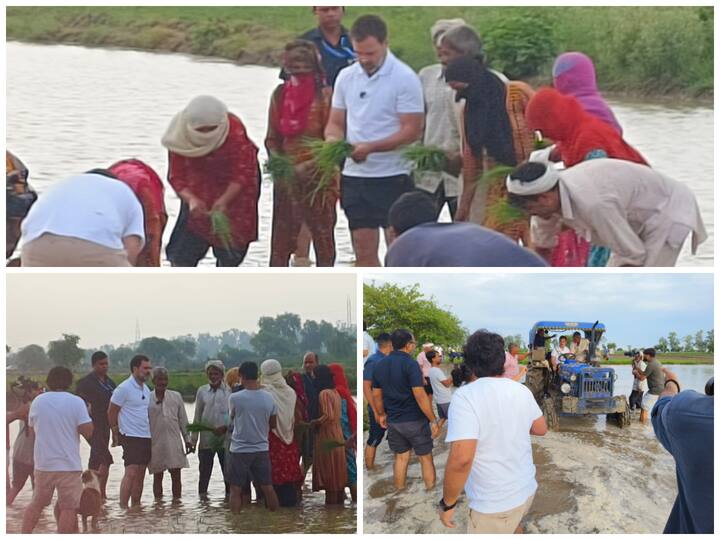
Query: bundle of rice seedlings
x=540, y=142
x=504, y=213
x=221, y=229
x=426, y=158
x=328, y=445
x=198, y=427
x=280, y=168
x=327, y=156
x=497, y=173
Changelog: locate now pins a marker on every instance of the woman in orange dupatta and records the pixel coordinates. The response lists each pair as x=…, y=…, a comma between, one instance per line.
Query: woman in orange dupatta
x=299, y=110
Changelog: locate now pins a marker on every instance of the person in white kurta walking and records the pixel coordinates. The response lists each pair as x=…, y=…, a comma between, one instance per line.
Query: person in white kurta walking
x=643, y=216
x=170, y=439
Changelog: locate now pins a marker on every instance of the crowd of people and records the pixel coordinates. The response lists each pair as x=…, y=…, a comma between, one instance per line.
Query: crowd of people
x=491, y=418
x=268, y=430
x=607, y=205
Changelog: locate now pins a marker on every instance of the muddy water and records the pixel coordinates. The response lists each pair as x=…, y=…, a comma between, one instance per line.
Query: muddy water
x=70, y=109
x=593, y=478
x=191, y=514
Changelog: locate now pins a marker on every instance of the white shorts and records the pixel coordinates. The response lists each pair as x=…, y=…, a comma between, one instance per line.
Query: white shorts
x=648, y=401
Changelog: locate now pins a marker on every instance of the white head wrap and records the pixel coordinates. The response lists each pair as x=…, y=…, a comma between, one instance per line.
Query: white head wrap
x=283, y=396
x=539, y=185
x=441, y=26
x=182, y=136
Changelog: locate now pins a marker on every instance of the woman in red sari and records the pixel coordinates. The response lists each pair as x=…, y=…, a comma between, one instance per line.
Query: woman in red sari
x=578, y=136
x=349, y=425
x=214, y=170
x=299, y=109
x=148, y=188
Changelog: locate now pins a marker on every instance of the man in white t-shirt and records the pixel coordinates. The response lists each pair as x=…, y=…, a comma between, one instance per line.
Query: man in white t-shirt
x=441, y=383
x=91, y=219
x=57, y=418
x=368, y=344
x=130, y=427
x=491, y=420
x=560, y=351
x=377, y=107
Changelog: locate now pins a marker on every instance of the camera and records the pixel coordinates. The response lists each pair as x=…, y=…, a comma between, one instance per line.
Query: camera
x=632, y=354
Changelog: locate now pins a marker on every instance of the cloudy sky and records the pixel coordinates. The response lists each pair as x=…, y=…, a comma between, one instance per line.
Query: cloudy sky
x=103, y=308
x=636, y=308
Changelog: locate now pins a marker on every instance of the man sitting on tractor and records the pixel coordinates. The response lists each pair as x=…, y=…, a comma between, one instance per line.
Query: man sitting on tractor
x=579, y=347
x=561, y=351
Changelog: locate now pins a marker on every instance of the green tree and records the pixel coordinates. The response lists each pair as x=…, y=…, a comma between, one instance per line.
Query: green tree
x=710, y=341
x=65, y=351
x=163, y=352
x=688, y=343
x=612, y=346
x=311, y=336
x=388, y=307
x=673, y=342
x=662, y=345
x=120, y=357
x=31, y=358
x=699, y=341
x=277, y=336
x=232, y=356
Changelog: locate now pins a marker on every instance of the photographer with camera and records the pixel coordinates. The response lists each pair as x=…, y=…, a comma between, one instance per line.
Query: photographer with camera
x=655, y=378
x=25, y=390
x=640, y=386
x=683, y=423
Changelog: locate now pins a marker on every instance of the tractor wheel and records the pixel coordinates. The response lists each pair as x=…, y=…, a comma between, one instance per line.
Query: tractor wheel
x=551, y=415
x=623, y=418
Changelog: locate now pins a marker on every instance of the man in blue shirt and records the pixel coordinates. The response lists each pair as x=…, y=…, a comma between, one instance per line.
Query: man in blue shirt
x=683, y=423
x=376, y=432
x=404, y=409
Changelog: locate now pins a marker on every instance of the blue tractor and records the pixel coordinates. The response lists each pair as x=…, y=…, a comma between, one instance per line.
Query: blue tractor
x=573, y=383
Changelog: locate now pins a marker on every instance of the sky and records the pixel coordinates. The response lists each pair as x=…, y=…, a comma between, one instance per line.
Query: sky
x=103, y=308
x=636, y=308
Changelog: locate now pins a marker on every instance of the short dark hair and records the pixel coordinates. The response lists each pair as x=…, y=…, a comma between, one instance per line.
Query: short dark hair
x=649, y=352
x=97, y=356
x=510, y=346
x=137, y=360
x=484, y=354
x=369, y=26
x=562, y=337
x=59, y=378
x=383, y=338
x=412, y=209
x=577, y=334
x=324, y=378
x=400, y=338
x=430, y=355
x=249, y=371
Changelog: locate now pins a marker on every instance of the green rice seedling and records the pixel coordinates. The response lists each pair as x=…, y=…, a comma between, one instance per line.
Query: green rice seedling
x=221, y=229
x=327, y=156
x=495, y=174
x=426, y=158
x=280, y=168
x=328, y=445
x=198, y=427
x=504, y=213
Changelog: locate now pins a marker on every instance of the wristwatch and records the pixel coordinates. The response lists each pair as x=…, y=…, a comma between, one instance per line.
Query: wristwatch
x=446, y=507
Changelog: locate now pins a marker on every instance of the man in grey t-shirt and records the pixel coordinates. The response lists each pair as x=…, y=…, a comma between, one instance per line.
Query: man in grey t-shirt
x=655, y=377
x=253, y=413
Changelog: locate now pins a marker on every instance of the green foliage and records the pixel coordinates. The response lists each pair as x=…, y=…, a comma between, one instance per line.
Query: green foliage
x=205, y=35
x=65, y=351
x=520, y=46
x=31, y=358
x=426, y=158
x=327, y=157
x=280, y=168
x=388, y=307
x=221, y=229
x=504, y=213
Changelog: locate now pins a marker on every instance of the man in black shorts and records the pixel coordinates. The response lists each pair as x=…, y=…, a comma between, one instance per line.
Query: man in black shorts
x=377, y=107
x=405, y=409
x=96, y=388
x=130, y=427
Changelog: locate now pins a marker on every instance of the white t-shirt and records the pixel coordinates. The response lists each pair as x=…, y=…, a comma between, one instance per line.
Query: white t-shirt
x=134, y=401
x=641, y=385
x=557, y=352
x=441, y=393
x=55, y=417
x=498, y=413
x=373, y=105
x=368, y=345
x=91, y=207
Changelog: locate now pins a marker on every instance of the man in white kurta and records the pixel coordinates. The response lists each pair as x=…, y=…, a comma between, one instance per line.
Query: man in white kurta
x=643, y=216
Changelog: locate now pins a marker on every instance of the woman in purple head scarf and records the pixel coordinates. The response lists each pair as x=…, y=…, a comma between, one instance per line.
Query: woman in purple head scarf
x=574, y=74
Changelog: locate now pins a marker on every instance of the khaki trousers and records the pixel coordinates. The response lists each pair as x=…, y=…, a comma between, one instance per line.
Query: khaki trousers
x=64, y=251
x=498, y=523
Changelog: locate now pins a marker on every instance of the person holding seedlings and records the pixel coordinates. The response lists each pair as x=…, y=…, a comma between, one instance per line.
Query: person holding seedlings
x=170, y=439
x=211, y=409
x=495, y=134
x=213, y=168
x=642, y=216
x=299, y=109
x=377, y=108
x=330, y=465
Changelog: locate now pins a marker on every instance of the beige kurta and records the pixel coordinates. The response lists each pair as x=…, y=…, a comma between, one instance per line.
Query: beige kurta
x=643, y=216
x=168, y=421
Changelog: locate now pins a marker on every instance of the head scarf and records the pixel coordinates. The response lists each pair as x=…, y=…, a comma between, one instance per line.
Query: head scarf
x=341, y=385
x=541, y=184
x=182, y=136
x=574, y=75
x=576, y=132
x=441, y=26
x=486, y=119
x=232, y=377
x=216, y=364
x=283, y=396
x=299, y=91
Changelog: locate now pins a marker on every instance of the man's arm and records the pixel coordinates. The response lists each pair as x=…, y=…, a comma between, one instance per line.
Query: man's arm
x=447, y=383
x=113, y=413
x=379, y=409
x=457, y=470
x=273, y=421
x=423, y=402
x=411, y=126
x=133, y=246
x=368, y=394
x=86, y=430
x=539, y=427
x=335, y=129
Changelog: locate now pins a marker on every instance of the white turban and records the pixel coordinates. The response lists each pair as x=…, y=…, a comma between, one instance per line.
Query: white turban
x=541, y=184
x=182, y=136
x=441, y=27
